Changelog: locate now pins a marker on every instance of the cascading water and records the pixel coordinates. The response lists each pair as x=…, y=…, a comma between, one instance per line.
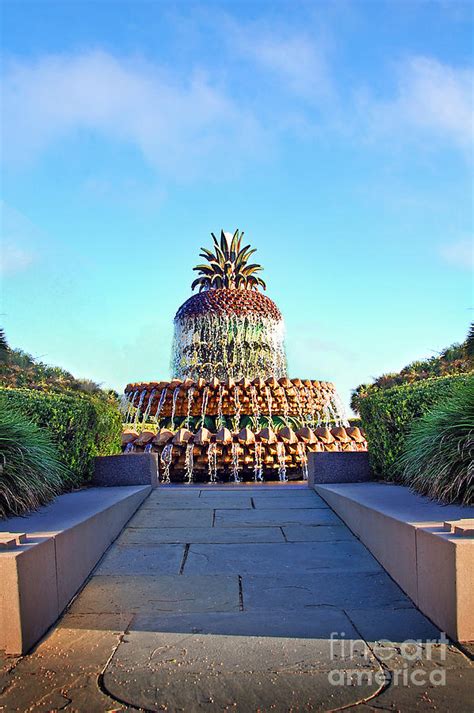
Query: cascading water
x=301, y=448
x=161, y=403
x=173, y=407
x=149, y=405
x=139, y=407
x=235, y=465
x=286, y=407
x=130, y=407
x=205, y=397
x=212, y=462
x=220, y=416
x=269, y=398
x=189, y=463
x=189, y=406
x=236, y=419
x=281, y=455
x=166, y=459
x=222, y=346
x=258, y=462
x=339, y=409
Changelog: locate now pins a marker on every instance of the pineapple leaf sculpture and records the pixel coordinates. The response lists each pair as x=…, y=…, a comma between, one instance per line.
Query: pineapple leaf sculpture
x=227, y=267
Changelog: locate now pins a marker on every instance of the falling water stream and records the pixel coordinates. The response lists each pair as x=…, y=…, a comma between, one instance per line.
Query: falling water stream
x=189, y=463
x=161, y=403
x=149, y=405
x=166, y=459
x=212, y=462
x=139, y=407
x=191, y=391
x=205, y=398
x=235, y=467
x=258, y=462
x=173, y=408
x=281, y=454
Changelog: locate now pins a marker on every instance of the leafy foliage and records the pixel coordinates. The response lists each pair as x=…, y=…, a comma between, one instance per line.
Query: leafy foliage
x=227, y=265
x=20, y=370
x=456, y=359
x=80, y=425
x=31, y=472
x=438, y=459
x=388, y=414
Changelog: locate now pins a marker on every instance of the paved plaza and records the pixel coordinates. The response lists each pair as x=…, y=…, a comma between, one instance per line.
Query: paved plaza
x=241, y=598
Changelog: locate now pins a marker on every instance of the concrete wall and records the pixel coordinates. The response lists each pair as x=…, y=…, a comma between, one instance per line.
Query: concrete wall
x=54, y=552
x=405, y=533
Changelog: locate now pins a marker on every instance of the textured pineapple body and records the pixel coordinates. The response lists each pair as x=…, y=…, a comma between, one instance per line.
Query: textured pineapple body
x=225, y=301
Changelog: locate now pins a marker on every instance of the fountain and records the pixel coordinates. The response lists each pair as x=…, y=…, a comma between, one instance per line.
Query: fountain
x=243, y=418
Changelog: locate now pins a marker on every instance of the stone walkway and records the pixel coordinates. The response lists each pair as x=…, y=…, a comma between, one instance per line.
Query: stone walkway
x=238, y=598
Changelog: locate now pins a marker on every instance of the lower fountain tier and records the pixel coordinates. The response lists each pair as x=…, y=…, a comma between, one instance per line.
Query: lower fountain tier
x=183, y=455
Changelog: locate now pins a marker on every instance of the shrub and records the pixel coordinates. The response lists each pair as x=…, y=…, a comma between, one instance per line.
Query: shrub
x=81, y=426
x=456, y=359
x=31, y=472
x=388, y=414
x=438, y=460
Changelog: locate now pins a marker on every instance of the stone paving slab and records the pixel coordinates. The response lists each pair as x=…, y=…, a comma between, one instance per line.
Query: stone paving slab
x=165, y=593
x=317, y=625
x=244, y=692
x=272, y=558
x=392, y=624
x=218, y=535
x=199, y=670
x=264, y=518
x=166, y=517
x=142, y=559
x=305, y=591
x=184, y=502
x=317, y=533
x=261, y=502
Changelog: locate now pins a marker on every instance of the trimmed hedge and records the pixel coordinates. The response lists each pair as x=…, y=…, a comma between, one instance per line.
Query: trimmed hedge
x=388, y=414
x=81, y=426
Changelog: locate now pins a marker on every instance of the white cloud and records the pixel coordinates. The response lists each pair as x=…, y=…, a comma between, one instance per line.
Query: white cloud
x=432, y=101
x=178, y=126
x=459, y=253
x=297, y=61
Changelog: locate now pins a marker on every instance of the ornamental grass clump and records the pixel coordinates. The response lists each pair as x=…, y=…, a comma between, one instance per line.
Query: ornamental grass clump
x=31, y=473
x=438, y=459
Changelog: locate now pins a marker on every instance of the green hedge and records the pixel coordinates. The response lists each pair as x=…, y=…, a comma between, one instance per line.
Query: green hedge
x=388, y=414
x=81, y=426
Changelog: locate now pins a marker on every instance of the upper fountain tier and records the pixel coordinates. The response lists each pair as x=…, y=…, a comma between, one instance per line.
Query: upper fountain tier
x=229, y=329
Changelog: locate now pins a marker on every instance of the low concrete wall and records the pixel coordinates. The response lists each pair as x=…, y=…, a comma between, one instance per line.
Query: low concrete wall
x=50, y=554
x=405, y=533
x=126, y=469
x=337, y=467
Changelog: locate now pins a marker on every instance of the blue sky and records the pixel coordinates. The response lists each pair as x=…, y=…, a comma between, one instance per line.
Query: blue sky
x=338, y=135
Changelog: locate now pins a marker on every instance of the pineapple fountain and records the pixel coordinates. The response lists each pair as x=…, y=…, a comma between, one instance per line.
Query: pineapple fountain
x=231, y=412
